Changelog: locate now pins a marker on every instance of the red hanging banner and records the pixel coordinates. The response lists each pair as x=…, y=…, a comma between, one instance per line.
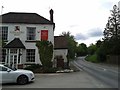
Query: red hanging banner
x=44, y=35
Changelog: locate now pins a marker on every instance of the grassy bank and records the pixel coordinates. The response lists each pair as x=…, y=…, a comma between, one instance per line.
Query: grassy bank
x=92, y=58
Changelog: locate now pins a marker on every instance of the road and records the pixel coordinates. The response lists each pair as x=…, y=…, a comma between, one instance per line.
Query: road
x=108, y=75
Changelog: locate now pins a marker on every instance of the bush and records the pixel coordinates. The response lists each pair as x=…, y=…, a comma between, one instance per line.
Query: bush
x=36, y=68
x=92, y=58
x=49, y=70
x=33, y=67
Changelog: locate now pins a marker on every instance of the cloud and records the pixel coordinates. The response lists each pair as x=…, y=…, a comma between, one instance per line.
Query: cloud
x=95, y=32
x=81, y=36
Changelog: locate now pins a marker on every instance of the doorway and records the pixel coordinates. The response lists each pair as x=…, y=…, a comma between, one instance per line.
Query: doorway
x=13, y=60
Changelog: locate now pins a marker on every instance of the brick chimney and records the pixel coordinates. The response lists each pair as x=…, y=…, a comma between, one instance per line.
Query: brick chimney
x=51, y=15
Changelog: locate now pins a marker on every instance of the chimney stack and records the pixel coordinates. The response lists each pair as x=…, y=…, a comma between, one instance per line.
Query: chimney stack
x=51, y=15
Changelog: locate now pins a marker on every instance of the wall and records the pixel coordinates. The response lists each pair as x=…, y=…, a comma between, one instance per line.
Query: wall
x=113, y=59
x=62, y=52
x=11, y=27
x=23, y=36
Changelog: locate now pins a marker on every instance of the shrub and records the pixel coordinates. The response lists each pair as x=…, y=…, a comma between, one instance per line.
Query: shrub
x=92, y=58
x=33, y=67
x=49, y=70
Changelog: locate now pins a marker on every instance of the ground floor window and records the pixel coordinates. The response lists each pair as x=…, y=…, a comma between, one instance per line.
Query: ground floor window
x=3, y=55
x=30, y=55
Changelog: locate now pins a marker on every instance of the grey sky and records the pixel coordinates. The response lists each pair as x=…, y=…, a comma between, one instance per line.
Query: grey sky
x=79, y=17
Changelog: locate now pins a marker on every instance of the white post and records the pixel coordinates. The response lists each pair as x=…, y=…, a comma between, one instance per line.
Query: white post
x=20, y=50
x=9, y=57
x=17, y=58
x=6, y=57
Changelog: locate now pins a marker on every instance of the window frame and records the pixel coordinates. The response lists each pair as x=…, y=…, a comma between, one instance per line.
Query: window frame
x=30, y=55
x=4, y=31
x=31, y=33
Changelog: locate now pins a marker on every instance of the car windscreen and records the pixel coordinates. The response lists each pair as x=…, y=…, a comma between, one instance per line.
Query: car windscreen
x=14, y=69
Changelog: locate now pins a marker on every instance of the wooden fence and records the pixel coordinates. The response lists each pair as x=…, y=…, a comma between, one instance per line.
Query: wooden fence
x=113, y=59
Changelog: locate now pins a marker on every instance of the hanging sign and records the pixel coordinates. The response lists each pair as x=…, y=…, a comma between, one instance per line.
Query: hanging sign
x=17, y=31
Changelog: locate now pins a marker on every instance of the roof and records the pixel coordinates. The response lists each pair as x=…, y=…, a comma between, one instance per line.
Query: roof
x=16, y=43
x=25, y=18
x=60, y=42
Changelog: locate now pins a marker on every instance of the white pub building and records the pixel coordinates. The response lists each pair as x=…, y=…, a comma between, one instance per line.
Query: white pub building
x=20, y=31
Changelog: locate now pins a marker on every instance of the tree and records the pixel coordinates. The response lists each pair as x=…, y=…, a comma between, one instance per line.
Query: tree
x=71, y=44
x=112, y=32
x=82, y=50
x=46, y=53
x=112, y=29
x=92, y=49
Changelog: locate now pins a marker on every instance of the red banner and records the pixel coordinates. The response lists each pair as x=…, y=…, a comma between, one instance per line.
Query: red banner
x=44, y=35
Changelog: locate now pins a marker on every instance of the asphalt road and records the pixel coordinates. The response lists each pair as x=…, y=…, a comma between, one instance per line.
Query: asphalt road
x=106, y=74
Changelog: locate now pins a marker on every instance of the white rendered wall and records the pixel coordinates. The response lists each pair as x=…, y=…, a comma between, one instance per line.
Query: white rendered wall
x=62, y=52
x=23, y=37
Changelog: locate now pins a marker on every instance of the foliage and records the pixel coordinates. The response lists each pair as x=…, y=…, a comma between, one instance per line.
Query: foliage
x=36, y=68
x=92, y=58
x=46, y=53
x=97, y=52
x=82, y=50
x=71, y=44
x=3, y=43
x=92, y=49
x=50, y=70
x=33, y=67
x=113, y=26
x=112, y=33
x=101, y=53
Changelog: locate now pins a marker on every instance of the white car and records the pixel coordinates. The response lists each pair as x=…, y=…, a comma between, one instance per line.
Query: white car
x=9, y=75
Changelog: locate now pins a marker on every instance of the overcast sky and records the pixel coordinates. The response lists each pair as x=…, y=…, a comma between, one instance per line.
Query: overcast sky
x=85, y=19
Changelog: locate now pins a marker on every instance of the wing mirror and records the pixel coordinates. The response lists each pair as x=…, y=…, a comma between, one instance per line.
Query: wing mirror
x=8, y=70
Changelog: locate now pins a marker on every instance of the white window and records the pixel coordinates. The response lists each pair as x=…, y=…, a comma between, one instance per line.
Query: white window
x=30, y=55
x=31, y=33
x=4, y=31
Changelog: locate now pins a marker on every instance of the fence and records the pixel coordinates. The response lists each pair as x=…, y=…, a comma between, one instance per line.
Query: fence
x=113, y=59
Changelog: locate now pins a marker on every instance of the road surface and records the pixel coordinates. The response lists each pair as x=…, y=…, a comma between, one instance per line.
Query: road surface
x=108, y=75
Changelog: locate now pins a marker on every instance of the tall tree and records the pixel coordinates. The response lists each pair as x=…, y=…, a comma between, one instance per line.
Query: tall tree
x=82, y=50
x=92, y=49
x=112, y=32
x=112, y=29
x=71, y=44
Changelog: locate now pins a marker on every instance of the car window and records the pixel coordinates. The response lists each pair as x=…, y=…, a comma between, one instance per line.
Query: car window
x=14, y=69
x=3, y=68
x=0, y=68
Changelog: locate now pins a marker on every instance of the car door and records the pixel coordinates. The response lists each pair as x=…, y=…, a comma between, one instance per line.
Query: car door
x=7, y=75
x=0, y=74
x=3, y=72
